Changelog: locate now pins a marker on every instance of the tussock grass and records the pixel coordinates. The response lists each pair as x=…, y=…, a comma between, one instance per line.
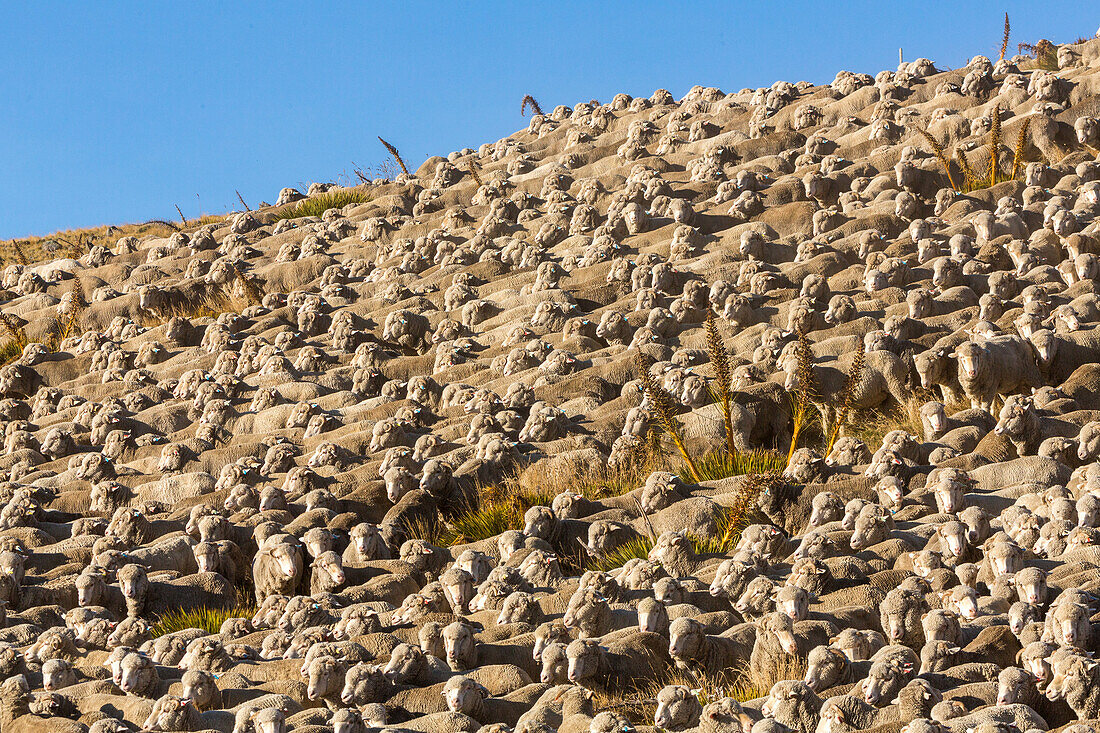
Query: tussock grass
x=639, y=703
x=205, y=617
x=788, y=668
x=75, y=242
x=636, y=548
x=9, y=352
x=1044, y=52
x=873, y=425
x=496, y=509
x=719, y=465
x=319, y=204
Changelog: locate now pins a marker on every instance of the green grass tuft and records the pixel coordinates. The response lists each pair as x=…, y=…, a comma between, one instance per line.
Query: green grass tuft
x=9, y=352
x=319, y=204
x=634, y=549
x=499, y=509
x=205, y=618
x=719, y=464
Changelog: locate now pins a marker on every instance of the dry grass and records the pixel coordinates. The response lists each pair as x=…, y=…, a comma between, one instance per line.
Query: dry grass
x=29, y=250
x=1044, y=52
x=497, y=508
x=319, y=204
x=638, y=703
x=873, y=425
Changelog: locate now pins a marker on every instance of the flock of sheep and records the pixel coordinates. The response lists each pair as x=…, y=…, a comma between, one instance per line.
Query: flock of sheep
x=485, y=315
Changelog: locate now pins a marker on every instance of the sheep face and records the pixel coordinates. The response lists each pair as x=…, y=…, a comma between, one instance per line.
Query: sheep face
x=405, y=664
x=463, y=695
x=678, y=708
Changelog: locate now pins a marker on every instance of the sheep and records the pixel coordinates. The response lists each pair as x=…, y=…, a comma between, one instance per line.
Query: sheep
x=171, y=713
x=199, y=686
x=276, y=570
x=678, y=708
x=325, y=678
x=692, y=648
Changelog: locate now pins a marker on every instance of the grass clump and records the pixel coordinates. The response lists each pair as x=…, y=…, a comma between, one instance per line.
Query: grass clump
x=204, y=617
x=636, y=548
x=719, y=465
x=319, y=204
x=991, y=174
x=496, y=509
x=639, y=702
x=1044, y=52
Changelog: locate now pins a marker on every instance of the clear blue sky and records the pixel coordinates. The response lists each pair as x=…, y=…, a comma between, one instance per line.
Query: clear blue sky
x=117, y=111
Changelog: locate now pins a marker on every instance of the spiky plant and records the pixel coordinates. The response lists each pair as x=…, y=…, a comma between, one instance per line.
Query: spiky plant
x=1004, y=38
x=248, y=286
x=723, y=380
x=846, y=399
x=396, y=156
x=68, y=324
x=1018, y=151
x=995, y=147
x=472, y=165
x=802, y=398
x=664, y=409
x=972, y=181
x=13, y=329
x=20, y=255
x=938, y=151
x=529, y=101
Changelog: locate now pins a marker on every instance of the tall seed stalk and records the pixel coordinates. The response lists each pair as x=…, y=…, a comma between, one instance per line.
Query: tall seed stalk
x=664, y=409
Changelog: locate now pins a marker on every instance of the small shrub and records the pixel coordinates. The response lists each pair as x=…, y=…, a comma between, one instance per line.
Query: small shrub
x=205, y=618
x=319, y=204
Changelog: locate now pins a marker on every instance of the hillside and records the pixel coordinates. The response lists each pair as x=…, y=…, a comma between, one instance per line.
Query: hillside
x=686, y=414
